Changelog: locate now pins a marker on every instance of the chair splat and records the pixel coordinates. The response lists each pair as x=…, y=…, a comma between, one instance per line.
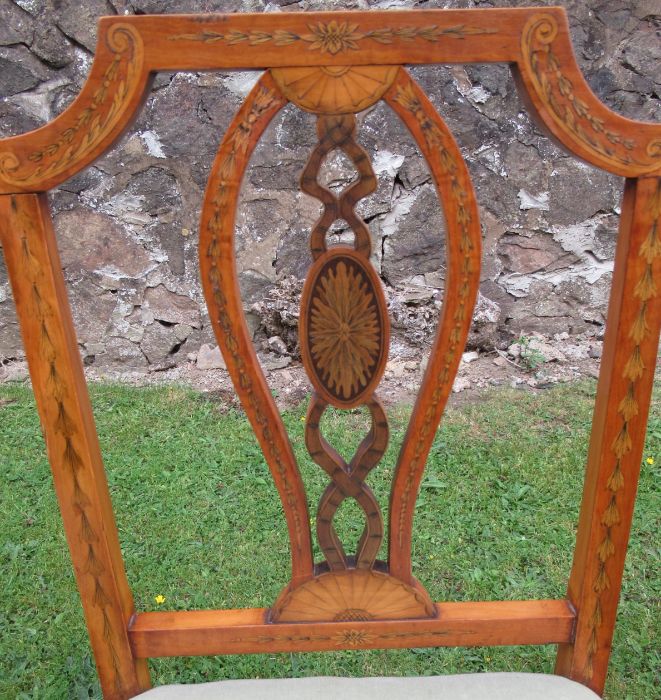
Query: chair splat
x=334, y=65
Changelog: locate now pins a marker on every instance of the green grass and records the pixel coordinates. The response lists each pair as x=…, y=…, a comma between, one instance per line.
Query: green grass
x=200, y=524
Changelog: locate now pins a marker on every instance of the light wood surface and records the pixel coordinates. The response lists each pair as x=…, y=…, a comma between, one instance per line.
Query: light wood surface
x=618, y=433
x=130, y=49
x=223, y=297
x=455, y=624
x=30, y=252
x=462, y=279
x=333, y=65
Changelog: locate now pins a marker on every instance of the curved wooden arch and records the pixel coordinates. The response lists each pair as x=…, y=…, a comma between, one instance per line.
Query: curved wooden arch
x=129, y=49
x=223, y=297
x=464, y=238
x=565, y=107
x=110, y=99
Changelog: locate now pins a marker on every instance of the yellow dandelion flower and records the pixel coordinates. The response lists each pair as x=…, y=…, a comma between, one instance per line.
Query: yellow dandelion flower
x=160, y=599
x=650, y=460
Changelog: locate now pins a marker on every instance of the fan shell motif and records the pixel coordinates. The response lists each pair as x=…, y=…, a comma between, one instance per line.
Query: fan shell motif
x=344, y=327
x=352, y=596
x=334, y=89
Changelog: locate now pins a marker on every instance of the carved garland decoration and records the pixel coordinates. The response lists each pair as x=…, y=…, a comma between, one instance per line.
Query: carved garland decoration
x=65, y=428
x=95, y=120
x=436, y=142
x=335, y=37
x=644, y=291
x=265, y=100
x=568, y=110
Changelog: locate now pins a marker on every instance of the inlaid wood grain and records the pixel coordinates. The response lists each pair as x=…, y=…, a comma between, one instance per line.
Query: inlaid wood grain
x=334, y=89
x=203, y=632
x=348, y=481
x=109, y=100
x=344, y=337
x=338, y=132
x=30, y=251
x=334, y=64
x=352, y=595
x=223, y=297
x=618, y=433
x=344, y=330
x=566, y=107
x=462, y=280
x=131, y=48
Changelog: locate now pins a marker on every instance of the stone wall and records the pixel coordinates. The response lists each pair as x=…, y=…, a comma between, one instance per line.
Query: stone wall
x=127, y=227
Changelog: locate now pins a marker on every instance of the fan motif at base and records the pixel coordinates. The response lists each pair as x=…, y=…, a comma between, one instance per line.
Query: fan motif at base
x=352, y=596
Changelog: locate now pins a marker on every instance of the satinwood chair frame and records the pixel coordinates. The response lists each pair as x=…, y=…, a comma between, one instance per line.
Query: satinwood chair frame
x=335, y=65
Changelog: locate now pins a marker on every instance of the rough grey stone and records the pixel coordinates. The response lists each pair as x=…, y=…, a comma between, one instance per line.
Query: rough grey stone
x=16, y=26
x=271, y=362
x=51, y=46
x=78, y=20
x=414, y=243
x=210, y=358
x=14, y=372
x=19, y=70
x=278, y=313
x=595, y=187
x=484, y=329
x=120, y=352
x=127, y=227
x=277, y=344
x=90, y=241
x=15, y=120
x=159, y=342
x=92, y=308
x=524, y=255
x=11, y=345
x=171, y=307
x=158, y=192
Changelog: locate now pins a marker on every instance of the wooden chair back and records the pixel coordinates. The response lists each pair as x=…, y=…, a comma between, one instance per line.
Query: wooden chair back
x=335, y=65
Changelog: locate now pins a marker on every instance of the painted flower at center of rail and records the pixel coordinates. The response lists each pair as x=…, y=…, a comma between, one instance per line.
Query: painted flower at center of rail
x=334, y=37
x=344, y=329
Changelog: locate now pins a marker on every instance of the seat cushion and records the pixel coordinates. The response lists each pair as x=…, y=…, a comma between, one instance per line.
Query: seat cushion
x=473, y=686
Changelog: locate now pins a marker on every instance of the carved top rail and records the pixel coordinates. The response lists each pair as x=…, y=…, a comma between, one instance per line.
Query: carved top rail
x=534, y=40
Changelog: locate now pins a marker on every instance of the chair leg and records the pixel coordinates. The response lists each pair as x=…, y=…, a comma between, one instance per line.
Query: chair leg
x=618, y=434
x=33, y=263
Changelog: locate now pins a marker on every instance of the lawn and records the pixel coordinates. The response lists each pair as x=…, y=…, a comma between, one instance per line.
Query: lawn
x=200, y=524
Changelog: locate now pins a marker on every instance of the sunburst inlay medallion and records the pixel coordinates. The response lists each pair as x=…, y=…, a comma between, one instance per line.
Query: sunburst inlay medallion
x=344, y=327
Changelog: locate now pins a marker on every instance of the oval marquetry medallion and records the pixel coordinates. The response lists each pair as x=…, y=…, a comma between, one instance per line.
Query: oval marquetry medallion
x=344, y=330
x=334, y=89
x=354, y=595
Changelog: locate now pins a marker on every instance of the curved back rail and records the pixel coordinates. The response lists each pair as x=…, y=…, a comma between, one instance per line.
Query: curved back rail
x=334, y=65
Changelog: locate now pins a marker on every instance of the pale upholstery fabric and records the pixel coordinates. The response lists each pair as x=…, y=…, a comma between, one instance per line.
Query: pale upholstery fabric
x=474, y=686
